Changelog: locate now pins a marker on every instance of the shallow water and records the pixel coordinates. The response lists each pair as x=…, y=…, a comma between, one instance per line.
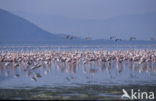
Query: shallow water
x=90, y=81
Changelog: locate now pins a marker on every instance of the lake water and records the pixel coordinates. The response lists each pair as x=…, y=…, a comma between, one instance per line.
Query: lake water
x=91, y=81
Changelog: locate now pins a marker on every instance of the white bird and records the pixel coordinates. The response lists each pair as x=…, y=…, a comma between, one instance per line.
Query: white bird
x=34, y=79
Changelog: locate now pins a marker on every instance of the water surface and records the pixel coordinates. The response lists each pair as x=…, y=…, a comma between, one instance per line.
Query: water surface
x=95, y=80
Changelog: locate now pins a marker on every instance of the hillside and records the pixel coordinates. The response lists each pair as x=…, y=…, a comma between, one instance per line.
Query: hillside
x=14, y=29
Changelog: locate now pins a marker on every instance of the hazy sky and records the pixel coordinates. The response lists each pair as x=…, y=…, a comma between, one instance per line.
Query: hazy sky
x=84, y=9
x=77, y=9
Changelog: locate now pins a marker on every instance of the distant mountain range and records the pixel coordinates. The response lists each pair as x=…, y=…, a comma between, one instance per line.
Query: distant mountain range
x=17, y=30
x=142, y=26
x=14, y=29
